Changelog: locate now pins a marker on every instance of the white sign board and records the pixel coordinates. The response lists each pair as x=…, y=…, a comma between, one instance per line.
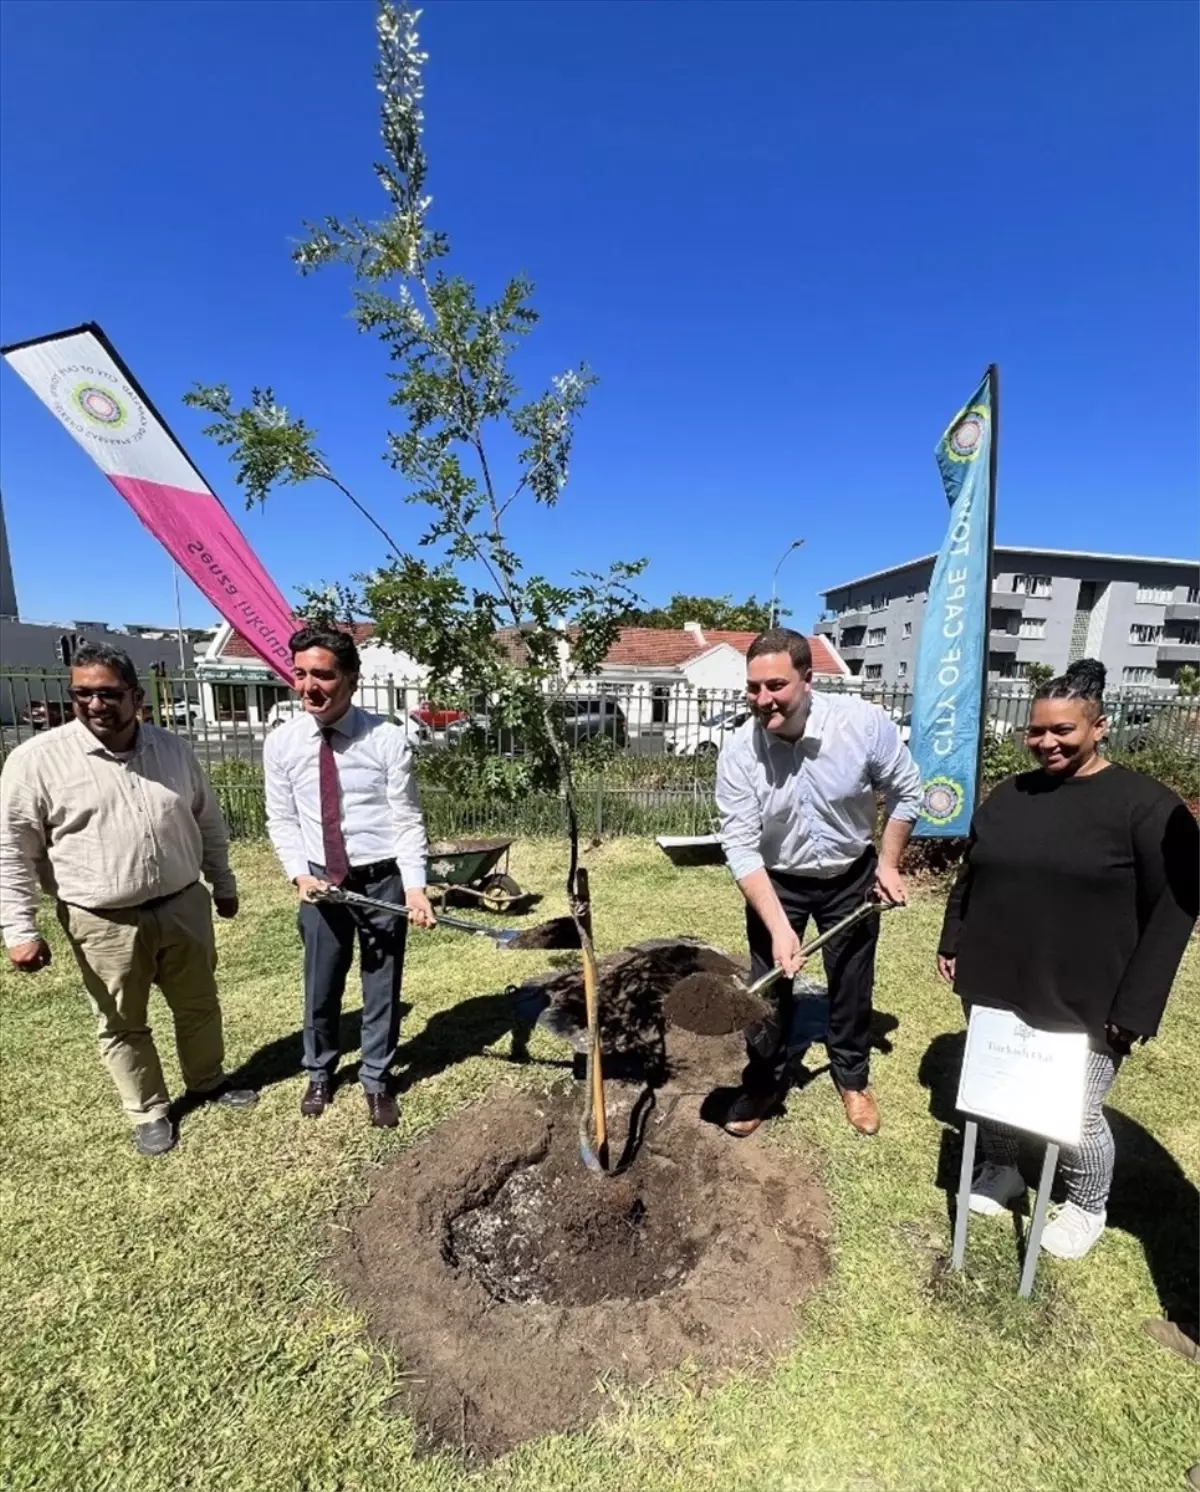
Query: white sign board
x=1018, y=1075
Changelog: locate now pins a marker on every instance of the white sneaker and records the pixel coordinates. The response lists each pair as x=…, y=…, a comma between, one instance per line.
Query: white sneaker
x=994, y=1187
x=1071, y=1232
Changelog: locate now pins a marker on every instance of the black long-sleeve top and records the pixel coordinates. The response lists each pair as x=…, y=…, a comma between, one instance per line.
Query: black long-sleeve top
x=1076, y=900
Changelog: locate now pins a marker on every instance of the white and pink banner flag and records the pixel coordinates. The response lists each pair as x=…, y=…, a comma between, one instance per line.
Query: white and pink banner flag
x=80, y=377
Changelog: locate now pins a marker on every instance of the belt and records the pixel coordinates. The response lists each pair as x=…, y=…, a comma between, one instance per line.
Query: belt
x=137, y=906
x=373, y=872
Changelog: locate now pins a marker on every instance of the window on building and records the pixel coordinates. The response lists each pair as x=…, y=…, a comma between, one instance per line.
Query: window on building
x=902, y=669
x=876, y=637
x=1188, y=633
x=1137, y=676
x=1193, y=595
x=873, y=671
x=1032, y=585
x=1032, y=626
x=230, y=701
x=906, y=630
x=1145, y=632
x=1002, y=667
x=1158, y=595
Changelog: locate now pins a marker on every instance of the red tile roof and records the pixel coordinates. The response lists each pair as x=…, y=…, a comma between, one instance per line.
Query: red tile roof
x=636, y=647
x=236, y=645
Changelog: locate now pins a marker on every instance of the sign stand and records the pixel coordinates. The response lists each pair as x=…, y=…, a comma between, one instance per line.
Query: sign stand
x=1033, y=1240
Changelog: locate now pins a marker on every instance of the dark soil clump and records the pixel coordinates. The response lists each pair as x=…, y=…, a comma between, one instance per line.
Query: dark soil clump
x=508, y=1278
x=545, y=1238
x=712, y=1005
x=559, y=932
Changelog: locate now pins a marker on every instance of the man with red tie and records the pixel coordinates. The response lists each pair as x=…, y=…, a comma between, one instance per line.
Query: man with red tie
x=343, y=810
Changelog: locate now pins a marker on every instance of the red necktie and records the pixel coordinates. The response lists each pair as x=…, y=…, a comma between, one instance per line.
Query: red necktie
x=337, y=864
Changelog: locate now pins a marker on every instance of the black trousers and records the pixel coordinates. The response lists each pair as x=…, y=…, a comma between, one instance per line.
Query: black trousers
x=329, y=933
x=849, y=970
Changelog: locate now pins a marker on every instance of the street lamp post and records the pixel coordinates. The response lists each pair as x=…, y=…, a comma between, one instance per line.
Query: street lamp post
x=795, y=544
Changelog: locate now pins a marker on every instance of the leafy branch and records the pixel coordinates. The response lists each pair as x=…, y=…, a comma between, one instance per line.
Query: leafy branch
x=454, y=387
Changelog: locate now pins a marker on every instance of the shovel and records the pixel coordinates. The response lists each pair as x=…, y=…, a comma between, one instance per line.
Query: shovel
x=503, y=937
x=734, y=989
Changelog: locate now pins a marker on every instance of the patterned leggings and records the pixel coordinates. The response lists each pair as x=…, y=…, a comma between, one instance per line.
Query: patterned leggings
x=1087, y=1169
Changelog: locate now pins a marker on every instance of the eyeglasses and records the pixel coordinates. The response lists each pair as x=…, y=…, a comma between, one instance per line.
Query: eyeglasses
x=104, y=696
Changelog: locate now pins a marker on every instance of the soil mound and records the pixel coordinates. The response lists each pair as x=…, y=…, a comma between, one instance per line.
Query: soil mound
x=508, y=1278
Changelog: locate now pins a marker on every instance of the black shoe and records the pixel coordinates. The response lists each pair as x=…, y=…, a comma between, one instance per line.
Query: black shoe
x=382, y=1111
x=227, y=1096
x=749, y=1108
x=317, y=1098
x=155, y=1138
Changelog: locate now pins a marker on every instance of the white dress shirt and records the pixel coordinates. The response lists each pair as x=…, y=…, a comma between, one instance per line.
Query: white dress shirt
x=381, y=810
x=808, y=807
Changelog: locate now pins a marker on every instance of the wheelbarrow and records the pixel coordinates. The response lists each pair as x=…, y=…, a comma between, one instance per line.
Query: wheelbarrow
x=474, y=868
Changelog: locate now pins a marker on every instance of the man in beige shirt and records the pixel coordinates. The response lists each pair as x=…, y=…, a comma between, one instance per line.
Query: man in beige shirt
x=117, y=821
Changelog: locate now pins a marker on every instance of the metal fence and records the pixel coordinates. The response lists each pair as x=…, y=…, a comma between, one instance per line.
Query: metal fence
x=646, y=752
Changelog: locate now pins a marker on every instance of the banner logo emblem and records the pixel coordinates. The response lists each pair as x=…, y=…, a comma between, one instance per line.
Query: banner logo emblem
x=965, y=440
x=95, y=405
x=941, y=800
x=98, y=405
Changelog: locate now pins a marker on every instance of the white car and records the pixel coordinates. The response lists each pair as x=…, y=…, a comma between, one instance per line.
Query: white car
x=707, y=736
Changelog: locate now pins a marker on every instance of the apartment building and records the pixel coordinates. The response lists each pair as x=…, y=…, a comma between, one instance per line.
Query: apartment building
x=1139, y=615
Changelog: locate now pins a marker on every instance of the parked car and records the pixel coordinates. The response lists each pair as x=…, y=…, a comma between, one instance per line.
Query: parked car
x=584, y=718
x=44, y=713
x=433, y=717
x=704, y=737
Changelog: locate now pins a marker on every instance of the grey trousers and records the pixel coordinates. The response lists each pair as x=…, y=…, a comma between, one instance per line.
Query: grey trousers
x=1086, y=1168
x=329, y=934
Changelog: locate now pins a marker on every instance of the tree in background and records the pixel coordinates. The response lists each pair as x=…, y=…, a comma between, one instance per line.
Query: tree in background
x=1037, y=674
x=720, y=613
x=1187, y=681
x=459, y=401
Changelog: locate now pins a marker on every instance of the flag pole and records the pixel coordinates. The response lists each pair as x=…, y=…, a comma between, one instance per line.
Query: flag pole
x=993, y=378
x=179, y=625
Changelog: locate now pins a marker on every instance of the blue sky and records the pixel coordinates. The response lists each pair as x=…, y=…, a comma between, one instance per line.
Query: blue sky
x=787, y=237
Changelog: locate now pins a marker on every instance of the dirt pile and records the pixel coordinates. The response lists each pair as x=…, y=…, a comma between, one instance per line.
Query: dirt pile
x=712, y=1005
x=508, y=1278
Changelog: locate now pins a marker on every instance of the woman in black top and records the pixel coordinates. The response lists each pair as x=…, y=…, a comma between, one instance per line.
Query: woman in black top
x=1073, y=908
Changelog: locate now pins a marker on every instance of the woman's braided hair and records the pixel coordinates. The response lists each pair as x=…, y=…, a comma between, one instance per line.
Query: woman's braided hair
x=1083, y=680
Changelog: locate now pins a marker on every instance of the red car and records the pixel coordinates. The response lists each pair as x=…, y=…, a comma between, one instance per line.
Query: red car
x=434, y=718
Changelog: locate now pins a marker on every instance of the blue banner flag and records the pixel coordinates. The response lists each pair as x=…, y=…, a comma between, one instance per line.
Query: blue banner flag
x=952, y=660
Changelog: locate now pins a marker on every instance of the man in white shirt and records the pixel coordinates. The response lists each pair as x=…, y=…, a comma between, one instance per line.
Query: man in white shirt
x=117, y=820
x=796, y=789
x=342, y=809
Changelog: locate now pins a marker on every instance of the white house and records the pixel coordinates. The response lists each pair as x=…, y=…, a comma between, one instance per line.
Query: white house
x=660, y=678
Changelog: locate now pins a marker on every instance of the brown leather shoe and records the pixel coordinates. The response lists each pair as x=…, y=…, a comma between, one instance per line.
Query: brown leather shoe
x=317, y=1098
x=1181, y=1340
x=382, y=1111
x=861, y=1109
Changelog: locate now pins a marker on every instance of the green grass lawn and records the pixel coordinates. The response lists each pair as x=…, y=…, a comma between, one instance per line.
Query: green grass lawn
x=168, y=1324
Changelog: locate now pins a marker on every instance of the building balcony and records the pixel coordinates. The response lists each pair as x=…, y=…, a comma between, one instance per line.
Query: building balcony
x=1009, y=600
x=826, y=628
x=853, y=653
x=1179, y=652
x=1182, y=611
x=856, y=618
x=1003, y=642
